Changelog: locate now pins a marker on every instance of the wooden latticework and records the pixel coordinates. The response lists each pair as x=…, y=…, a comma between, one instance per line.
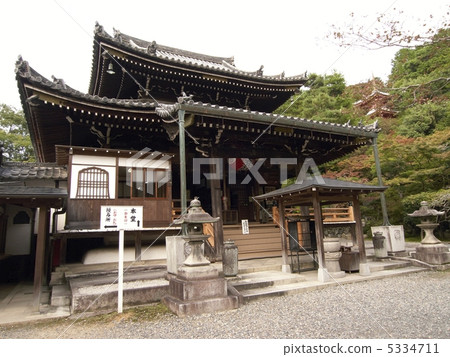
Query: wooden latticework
x=93, y=183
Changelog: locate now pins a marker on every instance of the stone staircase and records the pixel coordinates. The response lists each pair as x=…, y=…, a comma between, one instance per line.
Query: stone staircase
x=252, y=286
x=262, y=284
x=96, y=290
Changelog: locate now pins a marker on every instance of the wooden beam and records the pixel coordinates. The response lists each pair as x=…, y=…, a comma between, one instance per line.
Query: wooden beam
x=43, y=225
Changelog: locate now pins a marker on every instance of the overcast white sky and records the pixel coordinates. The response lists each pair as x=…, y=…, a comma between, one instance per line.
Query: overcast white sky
x=56, y=36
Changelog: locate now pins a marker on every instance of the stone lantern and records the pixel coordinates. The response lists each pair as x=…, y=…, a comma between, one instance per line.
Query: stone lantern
x=194, y=220
x=431, y=250
x=197, y=287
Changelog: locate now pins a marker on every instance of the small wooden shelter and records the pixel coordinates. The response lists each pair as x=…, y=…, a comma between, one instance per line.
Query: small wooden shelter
x=316, y=191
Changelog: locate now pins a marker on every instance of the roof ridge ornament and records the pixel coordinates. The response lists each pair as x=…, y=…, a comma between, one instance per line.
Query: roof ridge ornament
x=99, y=30
x=151, y=49
x=117, y=35
x=260, y=72
x=22, y=66
x=59, y=81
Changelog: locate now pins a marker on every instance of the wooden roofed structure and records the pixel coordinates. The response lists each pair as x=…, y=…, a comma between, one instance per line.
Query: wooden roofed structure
x=137, y=90
x=317, y=191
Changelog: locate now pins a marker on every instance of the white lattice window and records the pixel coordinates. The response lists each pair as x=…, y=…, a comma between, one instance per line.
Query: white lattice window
x=93, y=183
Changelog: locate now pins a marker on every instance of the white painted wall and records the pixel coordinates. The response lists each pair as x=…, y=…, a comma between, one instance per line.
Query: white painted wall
x=18, y=236
x=91, y=160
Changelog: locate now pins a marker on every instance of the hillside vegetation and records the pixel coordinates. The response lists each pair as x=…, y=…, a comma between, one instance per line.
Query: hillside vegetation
x=414, y=144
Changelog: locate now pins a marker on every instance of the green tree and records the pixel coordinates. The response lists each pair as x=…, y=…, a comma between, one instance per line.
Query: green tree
x=14, y=135
x=323, y=98
x=422, y=73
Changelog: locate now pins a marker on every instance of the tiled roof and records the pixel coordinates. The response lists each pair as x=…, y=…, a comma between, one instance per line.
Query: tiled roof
x=324, y=183
x=33, y=192
x=152, y=49
x=24, y=71
x=31, y=171
x=291, y=121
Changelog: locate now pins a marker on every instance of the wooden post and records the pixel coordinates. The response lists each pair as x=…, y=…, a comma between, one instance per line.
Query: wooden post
x=137, y=246
x=322, y=273
x=183, y=183
x=120, y=273
x=216, y=204
x=43, y=225
x=285, y=267
x=363, y=266
x=63, y=251
x=380, y=183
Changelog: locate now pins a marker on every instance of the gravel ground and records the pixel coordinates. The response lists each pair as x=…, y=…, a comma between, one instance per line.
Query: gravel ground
x=412, y=306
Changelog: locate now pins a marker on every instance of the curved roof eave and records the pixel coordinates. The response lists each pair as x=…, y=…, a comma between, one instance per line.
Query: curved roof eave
x=58, y=88
x=325, y=184
x=200, y=108
x=153, y=51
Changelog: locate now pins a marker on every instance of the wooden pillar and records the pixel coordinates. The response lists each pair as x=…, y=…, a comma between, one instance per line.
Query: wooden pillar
x=322, y=274
x=43, y=226
x=137, y=246
x=363, y=266
x=285, y=267
x=216, y=203
x=380, y=183
x=63, y=251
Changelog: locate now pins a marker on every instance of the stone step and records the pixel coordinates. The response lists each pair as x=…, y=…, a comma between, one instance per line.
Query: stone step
x=103, y=297
x=310, y=283
x=110, y=277
x=387, y=264
x=271, y=291
x=61, y=295
x=264, y=279
x=57, y=278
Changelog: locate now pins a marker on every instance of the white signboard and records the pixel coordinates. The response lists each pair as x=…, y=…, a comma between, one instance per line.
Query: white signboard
x=121, y=217
x=245, y=229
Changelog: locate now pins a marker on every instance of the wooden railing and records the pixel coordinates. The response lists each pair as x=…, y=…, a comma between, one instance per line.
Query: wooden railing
x=329, y=214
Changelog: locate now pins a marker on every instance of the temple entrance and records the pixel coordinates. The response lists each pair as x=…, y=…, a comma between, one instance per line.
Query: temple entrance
x=241, y=201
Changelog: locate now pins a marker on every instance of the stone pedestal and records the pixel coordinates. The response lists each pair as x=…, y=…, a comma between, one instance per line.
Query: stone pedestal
x=332, y=249
x=435, y=254
x=431, y=250
x=175, y=253
x=198, y=290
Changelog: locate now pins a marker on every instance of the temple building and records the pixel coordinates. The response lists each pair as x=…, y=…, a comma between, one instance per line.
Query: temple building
x=119, y=144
